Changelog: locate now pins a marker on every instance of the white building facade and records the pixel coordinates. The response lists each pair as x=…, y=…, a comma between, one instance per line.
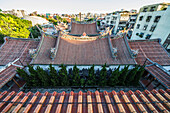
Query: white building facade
x=153, y=25
x=111, y=20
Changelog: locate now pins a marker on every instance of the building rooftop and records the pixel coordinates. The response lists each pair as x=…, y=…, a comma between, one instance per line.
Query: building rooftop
x=43, y=56
x=79, y=29
x=158, y=72
x=150, y=49
x=97, y=102
x=72, y=52
x=7, y=74
x=15, y=48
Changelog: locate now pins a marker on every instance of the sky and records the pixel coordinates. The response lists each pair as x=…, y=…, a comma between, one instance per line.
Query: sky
x=75, y=6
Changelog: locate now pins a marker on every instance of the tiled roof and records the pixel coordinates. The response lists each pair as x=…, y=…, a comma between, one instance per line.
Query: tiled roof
x=123, y=54
x=79, y=29
x=161, y=74
x=43, y=56
x=83, y=52
x=17, y=48
x=103, y=102
x=150, y=49
x=7, y=74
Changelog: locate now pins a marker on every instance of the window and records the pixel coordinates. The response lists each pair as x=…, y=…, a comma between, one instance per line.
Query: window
x=114, y=18
x=141, y=35
x=140, y=18
x=108, y=17
x=137, y=34
x=152, y=8
x=107, y=21
x=132, y=20
x=132, y=26
x=148, y=18
x=157, y=18
x=111, y=22
x=145, y=27
x=138, y=25
x=145, y=9
x=122, y=22
x=148, y=36
x=153, y=28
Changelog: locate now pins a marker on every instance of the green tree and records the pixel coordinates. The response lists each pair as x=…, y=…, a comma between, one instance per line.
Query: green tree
x=131, y=75
x=113, y=79
x=43, y=76
x=63, y=76
x=13, y=26
x=53, y=76
x=34, y=77
x=76, y=76
x=35, y=31
x=98, y=23
x=102, y=76
x=91, y=19
x=77, y=19
x=2, y=38
x=91, y=81
x=65, y=21
x=138, y=75
x=25, y=76
x=82, y=82
x=123, y=75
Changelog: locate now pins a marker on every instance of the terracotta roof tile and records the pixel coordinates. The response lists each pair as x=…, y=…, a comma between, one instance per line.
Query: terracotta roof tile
x=160, y=74
x=16, y=48
x=79, y=29
x=151, y=50
x=83, y=52
x=7, y=74
x=103, y=102
x=43, y=56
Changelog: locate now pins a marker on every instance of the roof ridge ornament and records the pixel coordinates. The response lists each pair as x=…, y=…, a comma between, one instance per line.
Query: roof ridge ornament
x=32, y=52
x=135, y=52
x=114, y=52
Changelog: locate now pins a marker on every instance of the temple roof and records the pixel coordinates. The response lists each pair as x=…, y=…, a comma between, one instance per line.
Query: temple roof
x=15, y=48
x=150, y=49
x=158, y=72
x=79, y=29
x=7, y=74
x=97, y=102
x=83, y=52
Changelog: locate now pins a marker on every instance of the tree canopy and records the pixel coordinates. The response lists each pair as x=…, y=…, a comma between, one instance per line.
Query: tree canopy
x=13, y=26
x=38, y=77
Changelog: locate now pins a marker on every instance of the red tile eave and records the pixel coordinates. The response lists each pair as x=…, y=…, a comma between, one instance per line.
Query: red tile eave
x=102, y=98
x=161, y=76
x=7, y=74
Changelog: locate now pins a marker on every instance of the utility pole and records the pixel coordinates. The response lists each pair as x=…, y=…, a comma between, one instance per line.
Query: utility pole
x=80, y=16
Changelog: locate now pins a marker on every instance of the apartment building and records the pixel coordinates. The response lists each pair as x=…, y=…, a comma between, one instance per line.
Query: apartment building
x=153, y=23
x=119, y=20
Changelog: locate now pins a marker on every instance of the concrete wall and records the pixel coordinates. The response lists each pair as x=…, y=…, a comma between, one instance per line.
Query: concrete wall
x=162, y=29
x=85, y=67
